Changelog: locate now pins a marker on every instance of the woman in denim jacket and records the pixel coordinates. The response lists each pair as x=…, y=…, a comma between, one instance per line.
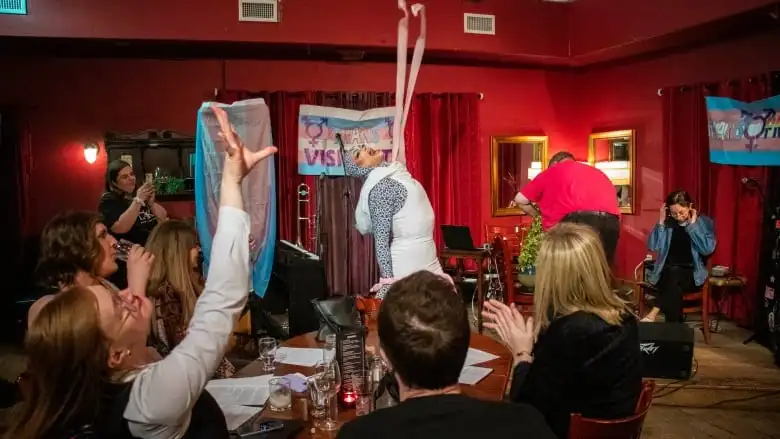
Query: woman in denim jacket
x=682, y=240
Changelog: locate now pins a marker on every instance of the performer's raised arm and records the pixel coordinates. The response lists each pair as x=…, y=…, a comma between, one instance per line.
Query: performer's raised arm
x=385, y=200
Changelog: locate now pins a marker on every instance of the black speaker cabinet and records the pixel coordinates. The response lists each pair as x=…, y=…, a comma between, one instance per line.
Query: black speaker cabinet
x=667, y=350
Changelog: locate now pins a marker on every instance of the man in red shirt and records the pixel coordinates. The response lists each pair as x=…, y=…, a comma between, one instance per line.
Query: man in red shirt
x=571, y=191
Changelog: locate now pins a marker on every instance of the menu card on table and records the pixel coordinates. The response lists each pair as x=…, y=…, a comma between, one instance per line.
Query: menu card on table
x=350, y=354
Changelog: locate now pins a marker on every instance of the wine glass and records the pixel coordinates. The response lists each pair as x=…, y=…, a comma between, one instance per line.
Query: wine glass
x=327, y=378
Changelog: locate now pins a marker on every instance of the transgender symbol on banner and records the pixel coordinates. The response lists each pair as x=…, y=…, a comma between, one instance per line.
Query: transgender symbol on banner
x=744, y=133
x=252, y=122
x=318, y=151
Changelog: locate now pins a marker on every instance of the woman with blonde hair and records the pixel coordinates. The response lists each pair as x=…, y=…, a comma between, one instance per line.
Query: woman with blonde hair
x=580, y=354
x=84, y=337
x=175, y=285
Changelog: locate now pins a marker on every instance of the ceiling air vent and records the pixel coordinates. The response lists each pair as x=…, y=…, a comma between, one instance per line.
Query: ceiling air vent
x=257, y=10
x=15, y=7
x=479, y=24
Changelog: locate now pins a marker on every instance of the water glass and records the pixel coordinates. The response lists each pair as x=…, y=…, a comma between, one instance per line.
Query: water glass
x=329, y=350
x=318, y=402
x=122, y=248
x=363, y=387
x=266, y=346
x=279, y=394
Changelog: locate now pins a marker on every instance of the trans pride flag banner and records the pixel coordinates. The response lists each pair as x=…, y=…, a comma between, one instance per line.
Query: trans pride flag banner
x=252, y=122
x=318, y=150
x=744, y=133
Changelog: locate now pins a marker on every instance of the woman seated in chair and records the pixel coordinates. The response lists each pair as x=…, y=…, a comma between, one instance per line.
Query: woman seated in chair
x=683, y=240
x=586, y=359
x=175, y=285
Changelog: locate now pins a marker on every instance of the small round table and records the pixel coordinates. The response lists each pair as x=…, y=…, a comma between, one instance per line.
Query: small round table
x=492, y=387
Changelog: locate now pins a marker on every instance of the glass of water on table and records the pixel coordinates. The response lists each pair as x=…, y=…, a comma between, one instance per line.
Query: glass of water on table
x=266, y=346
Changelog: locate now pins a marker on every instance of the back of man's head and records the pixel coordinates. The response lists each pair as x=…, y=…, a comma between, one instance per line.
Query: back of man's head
x=423, y=331
x=560, y=156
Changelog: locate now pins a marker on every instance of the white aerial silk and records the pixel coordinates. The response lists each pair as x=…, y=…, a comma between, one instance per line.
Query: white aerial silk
x=252, y=122
x=412, y=246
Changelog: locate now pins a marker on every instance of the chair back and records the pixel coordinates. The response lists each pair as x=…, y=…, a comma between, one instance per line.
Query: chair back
x=504, y=267
x=626, y=428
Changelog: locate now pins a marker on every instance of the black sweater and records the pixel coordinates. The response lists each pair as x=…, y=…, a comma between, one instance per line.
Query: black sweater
x=582, y=365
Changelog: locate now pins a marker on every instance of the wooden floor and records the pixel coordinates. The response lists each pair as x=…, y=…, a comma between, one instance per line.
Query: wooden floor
x=735, y=393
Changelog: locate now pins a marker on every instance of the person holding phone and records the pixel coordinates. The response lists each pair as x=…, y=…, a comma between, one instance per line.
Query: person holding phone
x=683, y=240
x=128, y=213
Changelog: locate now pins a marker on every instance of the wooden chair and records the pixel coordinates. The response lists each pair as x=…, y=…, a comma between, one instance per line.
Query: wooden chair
x=507, y=270
x=626, y=428
x=699, y=301
x=512, y=235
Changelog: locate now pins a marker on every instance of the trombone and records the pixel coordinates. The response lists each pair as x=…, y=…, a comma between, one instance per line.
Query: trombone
x=304, y=222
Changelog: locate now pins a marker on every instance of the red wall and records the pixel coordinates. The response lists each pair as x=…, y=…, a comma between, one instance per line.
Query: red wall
x=72, y=100
x=627, y=97
x=529, y=28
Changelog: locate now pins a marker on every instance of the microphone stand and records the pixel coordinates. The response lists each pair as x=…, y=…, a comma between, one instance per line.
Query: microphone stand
x=754, y=184
x=347, y=207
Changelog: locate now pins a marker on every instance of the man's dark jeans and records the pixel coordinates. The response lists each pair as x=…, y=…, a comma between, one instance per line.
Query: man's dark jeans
x=606, y=224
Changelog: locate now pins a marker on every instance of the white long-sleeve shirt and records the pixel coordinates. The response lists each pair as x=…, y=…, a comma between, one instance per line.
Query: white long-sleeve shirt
x=163, y=394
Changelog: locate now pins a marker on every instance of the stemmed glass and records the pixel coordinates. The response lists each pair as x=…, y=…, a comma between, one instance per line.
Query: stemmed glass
x=327, y=379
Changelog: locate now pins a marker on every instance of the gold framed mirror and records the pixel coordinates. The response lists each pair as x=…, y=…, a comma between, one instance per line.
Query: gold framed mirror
x=614, y=152
x=514, y=161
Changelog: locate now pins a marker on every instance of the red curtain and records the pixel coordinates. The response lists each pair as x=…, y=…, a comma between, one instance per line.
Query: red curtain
x=283, y=108
x=717, y=189
x=442, y=151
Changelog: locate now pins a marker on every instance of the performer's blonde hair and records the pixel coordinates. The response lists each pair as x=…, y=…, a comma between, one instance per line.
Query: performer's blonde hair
x=573, y=275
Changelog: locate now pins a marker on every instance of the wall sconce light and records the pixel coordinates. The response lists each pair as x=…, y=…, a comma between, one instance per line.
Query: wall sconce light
x=90, y=152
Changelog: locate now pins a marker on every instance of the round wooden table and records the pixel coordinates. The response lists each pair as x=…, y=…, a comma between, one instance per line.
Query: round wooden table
x=492, y=387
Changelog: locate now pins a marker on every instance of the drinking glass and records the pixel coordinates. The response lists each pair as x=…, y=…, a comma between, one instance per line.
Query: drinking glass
x=318, y=401
x=122, y=248
x=329, y=351
x=363, y=386
x=279, y=394
x=267, y=348
x=327, y=379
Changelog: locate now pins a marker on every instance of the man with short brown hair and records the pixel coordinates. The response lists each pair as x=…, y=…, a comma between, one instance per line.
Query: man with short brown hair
x=424, y=338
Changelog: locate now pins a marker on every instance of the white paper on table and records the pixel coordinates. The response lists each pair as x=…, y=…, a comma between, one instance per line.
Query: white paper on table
x=236, y=415
x=475, y=356
x=471, y=375
x=240, y=391
x=306, y=357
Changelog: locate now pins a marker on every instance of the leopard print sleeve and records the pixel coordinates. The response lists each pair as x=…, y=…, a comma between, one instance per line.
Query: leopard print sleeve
x=385, y=200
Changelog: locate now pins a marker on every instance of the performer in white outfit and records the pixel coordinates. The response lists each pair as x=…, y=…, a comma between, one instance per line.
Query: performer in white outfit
x=393, y=206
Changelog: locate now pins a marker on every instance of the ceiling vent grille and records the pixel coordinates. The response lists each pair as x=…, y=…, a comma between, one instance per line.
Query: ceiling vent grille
x=258, y=10
x=15, y=7
x=479, y=24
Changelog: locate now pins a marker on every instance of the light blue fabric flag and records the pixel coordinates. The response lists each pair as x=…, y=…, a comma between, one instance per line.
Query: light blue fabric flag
x=251, y=120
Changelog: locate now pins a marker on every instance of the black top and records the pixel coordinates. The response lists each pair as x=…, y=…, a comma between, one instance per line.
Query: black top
x=582, y=365
x=680, y=252
x=207, y=420
x=113, y=205
x=451, y=417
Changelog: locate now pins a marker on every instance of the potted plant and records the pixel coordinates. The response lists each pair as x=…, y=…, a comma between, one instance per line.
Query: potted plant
x=527, y=258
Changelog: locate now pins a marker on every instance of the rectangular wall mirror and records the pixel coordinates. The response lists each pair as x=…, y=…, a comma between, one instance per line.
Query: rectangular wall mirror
x=614, y=153
x=514, y=161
